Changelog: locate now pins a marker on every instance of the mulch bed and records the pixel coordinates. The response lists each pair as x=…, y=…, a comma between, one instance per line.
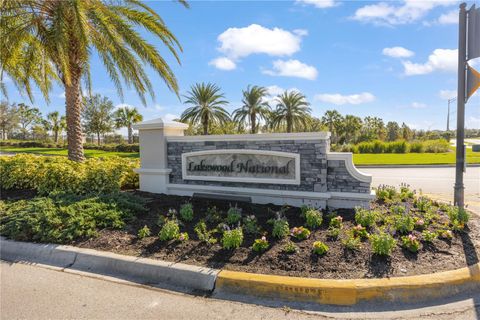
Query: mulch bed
x=338, y=263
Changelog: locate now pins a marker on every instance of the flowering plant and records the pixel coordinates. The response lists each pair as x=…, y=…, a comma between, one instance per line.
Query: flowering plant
x=359, y=231
x=411, y=243
x=183, y=236
x=260, y=245
x=300, y=233
x=336, y=222
x=419, y=223
x=320, y=248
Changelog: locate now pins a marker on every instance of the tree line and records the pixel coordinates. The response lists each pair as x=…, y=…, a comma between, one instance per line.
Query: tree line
x=98, y=114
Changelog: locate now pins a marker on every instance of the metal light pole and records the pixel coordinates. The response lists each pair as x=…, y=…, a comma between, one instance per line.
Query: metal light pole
x=462, y=64
x=448, y=114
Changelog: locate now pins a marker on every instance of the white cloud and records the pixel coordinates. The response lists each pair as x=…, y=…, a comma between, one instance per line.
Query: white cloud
x=223, y=63
x=122, y=105
x=274, y=90
x=440, y=60
x=339, y=99
x=301, y=32
x=321, y=4
x=472, y=122
x=448, y=94
x=61, y=95
x=383, y=13
x=449, y=17
x=292, y=68
x=170, y=117
x=418, y=105
x=398, y=52
x=237, y=43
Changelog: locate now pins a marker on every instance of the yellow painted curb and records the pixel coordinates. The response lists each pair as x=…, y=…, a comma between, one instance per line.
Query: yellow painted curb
x=351, y=291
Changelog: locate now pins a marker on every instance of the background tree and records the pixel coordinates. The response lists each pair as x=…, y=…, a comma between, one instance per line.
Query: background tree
x=56, y=123
x=127, y=117
x=373, y=128
x=407, y=133
x=254, y=107
x=97, y=115
x=351, y=128
x=27, y=116
x=207, y=106
x=291, y=113
x=333, y=120
x=393, y=131
x=8, y=119
x=57, y=38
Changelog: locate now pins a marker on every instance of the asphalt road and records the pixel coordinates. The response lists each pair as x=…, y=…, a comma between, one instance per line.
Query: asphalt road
x=435, y=182
x=34, y=292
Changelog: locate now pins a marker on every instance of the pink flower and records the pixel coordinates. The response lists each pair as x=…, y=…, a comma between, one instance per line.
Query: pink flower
x=420, y=222
x=181, y=237
x=264, y=238
x=412, y=238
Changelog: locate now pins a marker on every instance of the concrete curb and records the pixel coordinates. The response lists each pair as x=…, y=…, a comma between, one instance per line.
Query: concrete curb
x=411, y=289
x=141, y=270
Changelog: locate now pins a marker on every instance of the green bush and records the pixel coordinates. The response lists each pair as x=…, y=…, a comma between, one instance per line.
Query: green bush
x=250, y=225
x=436, y=146
x=351, y=242
x=143, y=232
x=289, y=248
x=313, y=218
x=63, y=218
x=122, y=147
x=203, y=234
x=53, y=174
x=399, y=146
x=366, y=218
x=232, y=239
x=382, y=243
x=170, y=230
x=260, y=245
x=301, y=233
x=319, y=248
x=411, y=243
x=429, y=236
x=234, y=215
x=186, y=212
x=281, y=228
x=403, y=223
x=417, y=147
x=375, y=146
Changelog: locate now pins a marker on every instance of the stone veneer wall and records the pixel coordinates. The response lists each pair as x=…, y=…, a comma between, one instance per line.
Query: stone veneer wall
x=340, y=180
x=313, y=161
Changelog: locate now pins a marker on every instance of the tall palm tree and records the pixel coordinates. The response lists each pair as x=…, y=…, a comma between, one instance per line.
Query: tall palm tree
x=56, y=123
x=207, y=106
x=127, y=117
x=292, y=111
x=58, y=38
x=351, y=128
x=254, y=107
x=333, y=120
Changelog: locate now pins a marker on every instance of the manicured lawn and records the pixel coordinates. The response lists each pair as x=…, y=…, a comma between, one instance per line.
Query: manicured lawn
x=413, y=158
x=63, y=152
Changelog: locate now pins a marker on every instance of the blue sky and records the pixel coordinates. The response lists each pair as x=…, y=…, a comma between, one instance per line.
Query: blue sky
x=395, y=60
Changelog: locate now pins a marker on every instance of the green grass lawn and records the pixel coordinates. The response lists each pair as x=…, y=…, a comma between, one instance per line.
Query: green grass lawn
x=89, y=153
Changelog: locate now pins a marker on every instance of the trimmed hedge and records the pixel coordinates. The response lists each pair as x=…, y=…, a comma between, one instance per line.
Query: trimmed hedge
x=123, y=147
x=399, y=146
x=53, y=174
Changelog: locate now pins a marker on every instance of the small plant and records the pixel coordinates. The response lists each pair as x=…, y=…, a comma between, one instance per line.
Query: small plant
x=203, y=234
x=186, y=212
x=458, y=216
x=422, y=204
x=170, y=230
x=290, y=248
x=403, y=223
x=300, y=233
x=260, y=245
x=213, y=215
x=411, y=243
x=382, y=243
x=319, y=248
x=313, y=218
x=405, y=192
x=183, y=236
x=445, y=234
x=281, y=229
x=333, y=232
x=336, y=222
x=234, y=215
x=360, y=231
x=232, y=239
x=250, y=224
x=365, y=217
x=143, y=232
x=385, y=193
x=160, y=220
x=351, y=242
x=429, y=236
x=398, y=209
x=420, y=224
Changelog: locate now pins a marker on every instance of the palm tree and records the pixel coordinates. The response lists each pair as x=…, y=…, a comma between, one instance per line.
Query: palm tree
x=127, y=117
x=292, y=111
x=207, y=106
x=56, y=123
x=254, y=107
x=333, y=120
x=46, y=41
x=351, y=128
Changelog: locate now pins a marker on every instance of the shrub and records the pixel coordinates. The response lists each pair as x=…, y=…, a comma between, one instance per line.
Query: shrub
x=445, y=234
x=290, y=248
x=300, y=233
x=336, y=222
x=422, y=204
x=417, y=147
x=320, y=248
x=203, y=234
x=405, y=192
x=260, y=245
x=250, y=225
x=411, y=243
x=403, y=223
x=360, y=231
x=458, y=216
x=183, y=236
x=281, y=228
x=143, y=232
x=436, y=146
x=234, y=215
x=382, y=243
x=385, y=192
x=232, y=239
x=213, y=215
x=399, y=146
x=170, y=230
x=333, y=232
x=419, y=223
x=186, y=212
x=313, y=218
x=365, y=217
x=352, y=242
x=429, y=236
x=63, y=218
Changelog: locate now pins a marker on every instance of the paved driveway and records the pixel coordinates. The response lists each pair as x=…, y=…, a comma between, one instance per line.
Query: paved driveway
x=435, y=182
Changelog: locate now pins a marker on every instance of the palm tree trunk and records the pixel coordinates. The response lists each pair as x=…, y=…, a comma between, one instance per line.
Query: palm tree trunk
x=130, y=134
x=98, y=138
x=253, y=118
x=205, y=125
x=73, y=100
x=56, y=136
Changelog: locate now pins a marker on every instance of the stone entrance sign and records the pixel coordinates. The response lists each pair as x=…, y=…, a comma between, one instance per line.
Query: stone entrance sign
x=278, y=168
x=239, y=165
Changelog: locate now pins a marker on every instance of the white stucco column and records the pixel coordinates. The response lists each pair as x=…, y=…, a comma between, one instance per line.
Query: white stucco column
x=154, y=169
